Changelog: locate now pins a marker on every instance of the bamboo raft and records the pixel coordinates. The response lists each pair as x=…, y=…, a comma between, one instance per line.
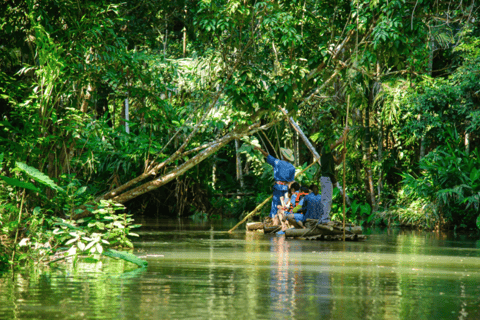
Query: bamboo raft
x=331, y=231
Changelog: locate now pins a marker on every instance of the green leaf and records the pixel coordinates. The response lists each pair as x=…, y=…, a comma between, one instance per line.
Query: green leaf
x=474, y=174
x=125, y=256
x=365, y=209
x=81, y=246
x=245, y=148
x=90, y=245
x=99, y=247
x=71, y=241
x=129, y=243
x=18, y=183
x=81, y=191
x=38, y=176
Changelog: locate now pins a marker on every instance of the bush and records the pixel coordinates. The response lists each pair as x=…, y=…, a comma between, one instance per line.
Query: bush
x=450, y=181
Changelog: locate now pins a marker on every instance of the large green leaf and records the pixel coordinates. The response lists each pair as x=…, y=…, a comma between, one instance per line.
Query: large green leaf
x=474, y=174
x=125, y=256
x=18, y=183
x=38, y=176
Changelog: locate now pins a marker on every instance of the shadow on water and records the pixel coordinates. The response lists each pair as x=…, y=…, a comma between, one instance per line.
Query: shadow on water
x=199, y=271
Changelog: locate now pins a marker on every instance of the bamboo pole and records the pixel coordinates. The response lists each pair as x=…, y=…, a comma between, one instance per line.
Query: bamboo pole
x=271, y=145
x=302, y=135
x=18, y=227
x=260, y=206
x=344, y=160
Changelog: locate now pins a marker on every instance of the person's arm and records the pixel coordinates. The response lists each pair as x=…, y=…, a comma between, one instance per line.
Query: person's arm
x=304, y=205
x=339, y=141
x=265, y=153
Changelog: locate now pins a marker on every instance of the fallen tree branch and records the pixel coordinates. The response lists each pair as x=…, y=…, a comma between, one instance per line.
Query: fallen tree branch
x=160, y=181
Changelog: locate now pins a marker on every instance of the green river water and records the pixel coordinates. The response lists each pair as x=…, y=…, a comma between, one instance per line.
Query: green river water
x=199, y=271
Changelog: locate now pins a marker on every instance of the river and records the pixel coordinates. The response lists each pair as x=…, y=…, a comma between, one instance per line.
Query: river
x=199, y=271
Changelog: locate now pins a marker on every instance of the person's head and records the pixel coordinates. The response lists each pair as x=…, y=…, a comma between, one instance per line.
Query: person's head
x=287, y=154
x=304, y=189
x=295, y=187
x=314, y=188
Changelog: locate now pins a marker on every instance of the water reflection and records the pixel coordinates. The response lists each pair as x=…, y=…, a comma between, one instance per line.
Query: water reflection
x=292, y=291
x=210, y=274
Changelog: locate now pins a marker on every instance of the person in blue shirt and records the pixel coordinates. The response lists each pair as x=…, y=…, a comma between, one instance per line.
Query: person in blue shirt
x=297, y=218
x=313, y=207
x=283, y=174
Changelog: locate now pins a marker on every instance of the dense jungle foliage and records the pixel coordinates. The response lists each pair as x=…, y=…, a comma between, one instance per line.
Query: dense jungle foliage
x=149, y=105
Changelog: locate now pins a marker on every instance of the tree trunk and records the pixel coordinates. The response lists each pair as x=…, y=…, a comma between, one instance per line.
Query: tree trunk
x=422, y=148
x=238, y=165
x=297, y=149
x=467, y=142
x=378, y=87
x=367, y=157
x=122, y=115
x=181, y=169
x=185, y=31
x=380, y=159
x=214, y=173
x=127, y=116
x=85, y=97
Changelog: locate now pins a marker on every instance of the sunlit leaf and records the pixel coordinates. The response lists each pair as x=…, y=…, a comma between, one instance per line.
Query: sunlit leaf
x=81, y=245
x=71, y=241
x=38, y=176
x=18, y=183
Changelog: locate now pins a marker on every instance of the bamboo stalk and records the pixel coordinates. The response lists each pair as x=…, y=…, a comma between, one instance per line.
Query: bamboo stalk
x=344, y=160
x=18, y=227
x=271, y=145
x=260, y=206
x=302, y=135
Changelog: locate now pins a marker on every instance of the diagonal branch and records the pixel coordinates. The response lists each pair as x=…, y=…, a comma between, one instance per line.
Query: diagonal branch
x=212, y=148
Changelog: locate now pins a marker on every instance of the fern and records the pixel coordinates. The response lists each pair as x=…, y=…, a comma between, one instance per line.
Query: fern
x=125, y=256
x=18, y=183
x=38, y=176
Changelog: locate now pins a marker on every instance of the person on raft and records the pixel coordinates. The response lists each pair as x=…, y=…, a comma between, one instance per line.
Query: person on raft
x=328, y=161
x=283, y=174
x=312, y=208
x=295, y=190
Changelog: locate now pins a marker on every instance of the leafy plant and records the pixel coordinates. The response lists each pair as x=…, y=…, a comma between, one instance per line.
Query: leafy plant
x=450, y=181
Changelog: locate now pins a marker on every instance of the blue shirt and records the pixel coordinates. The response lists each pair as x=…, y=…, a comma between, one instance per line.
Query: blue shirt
x=293, y=198
x=282, y=170
x=313, y=205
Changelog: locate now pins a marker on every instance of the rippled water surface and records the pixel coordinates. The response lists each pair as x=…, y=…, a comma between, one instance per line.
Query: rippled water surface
x=199, y=271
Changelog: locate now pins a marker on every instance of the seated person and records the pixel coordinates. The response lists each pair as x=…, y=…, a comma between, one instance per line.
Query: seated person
x=299, y=199
x=296, y=217
x=312, y=206
x=294, y=190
